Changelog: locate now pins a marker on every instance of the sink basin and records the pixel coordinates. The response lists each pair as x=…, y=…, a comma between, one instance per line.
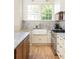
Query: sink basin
x=39, y=31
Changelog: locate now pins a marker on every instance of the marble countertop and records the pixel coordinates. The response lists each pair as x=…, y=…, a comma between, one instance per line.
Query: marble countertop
x=61, y=35
x=19, y=37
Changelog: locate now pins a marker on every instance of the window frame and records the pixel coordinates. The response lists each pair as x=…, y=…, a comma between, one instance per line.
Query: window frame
x=40, y=13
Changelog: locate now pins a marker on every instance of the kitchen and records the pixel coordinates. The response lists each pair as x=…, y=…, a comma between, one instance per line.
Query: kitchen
x=39, y=29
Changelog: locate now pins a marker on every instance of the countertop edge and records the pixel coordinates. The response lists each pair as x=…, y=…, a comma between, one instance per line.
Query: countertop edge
x=21, y=39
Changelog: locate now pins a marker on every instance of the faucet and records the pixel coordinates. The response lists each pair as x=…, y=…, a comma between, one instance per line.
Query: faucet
x=36, y=26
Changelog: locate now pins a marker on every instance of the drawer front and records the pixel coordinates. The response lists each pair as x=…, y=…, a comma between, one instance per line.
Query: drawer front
x=60, y=47
x=61, y=56
x=39, y=39
x=60, y=41
x=53, y=40
x=44, y=39
x=35, y=39
x=60, y=51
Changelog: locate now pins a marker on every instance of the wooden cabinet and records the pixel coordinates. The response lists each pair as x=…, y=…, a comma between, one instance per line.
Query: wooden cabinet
x=26, y=48
x=19, y=51
x=53, y=42
x=22, y=50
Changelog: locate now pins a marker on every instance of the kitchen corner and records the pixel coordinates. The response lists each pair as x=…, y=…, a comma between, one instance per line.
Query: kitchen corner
x=19, y=37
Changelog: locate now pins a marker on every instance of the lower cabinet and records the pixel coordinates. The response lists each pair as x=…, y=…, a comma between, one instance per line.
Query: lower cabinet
x=18, y=52
x=39, y=39
x=60, y=47
x=26, y=49
x=22, y=50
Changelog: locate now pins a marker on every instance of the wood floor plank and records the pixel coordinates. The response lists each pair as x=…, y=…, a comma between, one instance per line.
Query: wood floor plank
x=41, y=52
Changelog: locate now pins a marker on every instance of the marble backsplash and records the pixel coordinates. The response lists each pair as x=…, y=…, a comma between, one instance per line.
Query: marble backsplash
x=29, y=25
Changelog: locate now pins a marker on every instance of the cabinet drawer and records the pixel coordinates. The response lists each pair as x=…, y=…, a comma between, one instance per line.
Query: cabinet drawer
x=60, y=47
x=61, y=56
x=60, y=52
x=39, y=39
x=60, y=42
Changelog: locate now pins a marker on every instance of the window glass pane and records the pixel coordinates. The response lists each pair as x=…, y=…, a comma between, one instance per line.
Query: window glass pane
x=46, y=13
x=39, y=12
x=33, y=12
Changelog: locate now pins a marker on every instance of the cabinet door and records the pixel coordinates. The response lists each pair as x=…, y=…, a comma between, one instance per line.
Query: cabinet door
x=44, y=39
x=19, y=52
x=60, y=47
x=26, y=48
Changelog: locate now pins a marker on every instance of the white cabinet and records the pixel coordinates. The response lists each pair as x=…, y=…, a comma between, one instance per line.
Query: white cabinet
x=57, y=42
x=53, y=42
x=39, y=39
x=60, y=47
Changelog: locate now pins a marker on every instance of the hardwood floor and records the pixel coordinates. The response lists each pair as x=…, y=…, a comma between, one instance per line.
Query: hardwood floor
x=56, y=57
x=41, y=52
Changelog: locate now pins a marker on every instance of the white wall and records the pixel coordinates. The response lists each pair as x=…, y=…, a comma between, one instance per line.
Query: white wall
x=17, y=15
x=62, y=3
x=59, y=5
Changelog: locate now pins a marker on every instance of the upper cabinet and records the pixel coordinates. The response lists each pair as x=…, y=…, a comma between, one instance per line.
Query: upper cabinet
x=59, y=10
x=60, y=16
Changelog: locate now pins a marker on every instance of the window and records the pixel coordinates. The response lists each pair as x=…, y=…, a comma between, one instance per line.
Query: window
x=39, y=12
x=46, y=12
x=33, y=12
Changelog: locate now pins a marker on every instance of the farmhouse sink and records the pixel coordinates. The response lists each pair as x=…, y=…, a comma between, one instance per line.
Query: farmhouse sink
x=39, y=31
